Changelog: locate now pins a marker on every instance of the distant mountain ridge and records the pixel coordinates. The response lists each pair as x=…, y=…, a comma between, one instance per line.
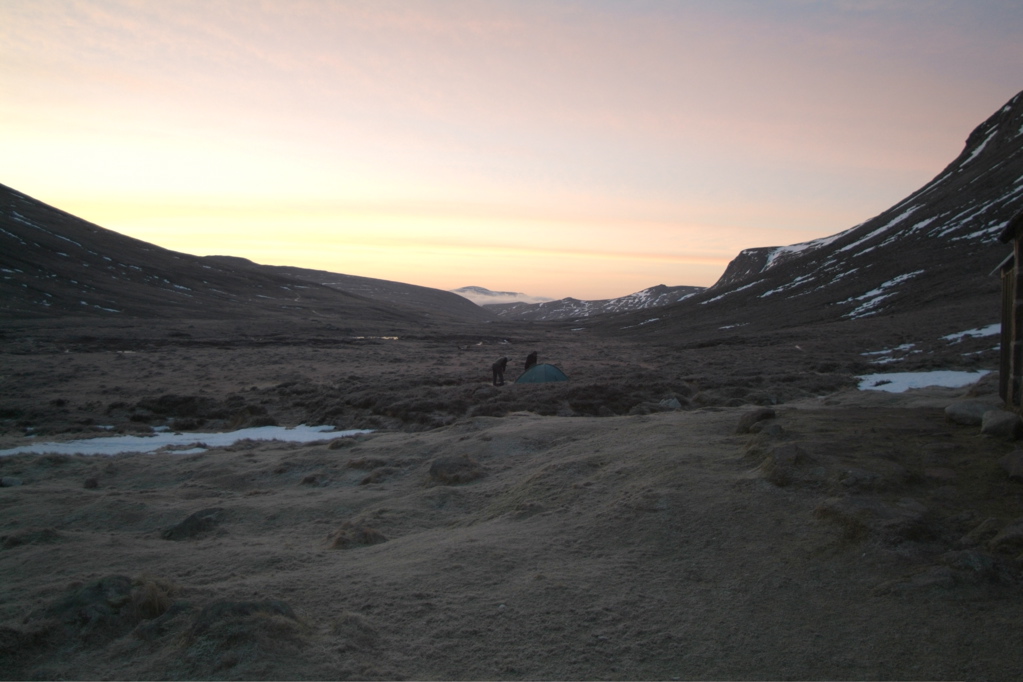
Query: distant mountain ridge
x=572, y=308
x=483, y=296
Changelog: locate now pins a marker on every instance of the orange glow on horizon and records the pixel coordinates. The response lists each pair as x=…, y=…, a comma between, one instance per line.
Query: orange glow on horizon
x=552, y=148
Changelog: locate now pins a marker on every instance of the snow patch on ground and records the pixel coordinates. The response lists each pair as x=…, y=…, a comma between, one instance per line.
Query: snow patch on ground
x=889, y=354
x=989, y=330
x=899, y=382
x=181, y=443
x=782, y=251
x=887, y=226
x=874, y=297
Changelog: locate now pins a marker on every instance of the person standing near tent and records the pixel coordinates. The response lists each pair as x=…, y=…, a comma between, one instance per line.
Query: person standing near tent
x=530, y=360
x=499, y=368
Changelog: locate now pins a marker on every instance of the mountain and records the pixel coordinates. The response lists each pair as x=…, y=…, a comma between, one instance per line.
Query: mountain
x=926, y=261
x=53, y=264
x=571, y=308
x=426, y=299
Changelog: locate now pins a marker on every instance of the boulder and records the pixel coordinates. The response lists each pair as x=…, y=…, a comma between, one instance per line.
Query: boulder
x=970, y=562
x=1009, y=539
x=747, y=420
x=352, y=535
x=1001, y=424
x=784, y=465
x=967, y=412
x=198, y=523
x=9, y=482
x=1012, y=463
x=770, y=429
x=30, y=537
x=982, y=533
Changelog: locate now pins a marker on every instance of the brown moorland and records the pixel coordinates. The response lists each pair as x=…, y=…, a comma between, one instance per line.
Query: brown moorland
x=601, y=530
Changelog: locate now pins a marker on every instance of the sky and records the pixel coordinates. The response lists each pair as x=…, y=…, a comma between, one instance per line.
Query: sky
x=586, y=149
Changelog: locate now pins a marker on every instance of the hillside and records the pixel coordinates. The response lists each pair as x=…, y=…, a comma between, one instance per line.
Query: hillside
x=918, y=271
x=413, y=296
x=55, y=265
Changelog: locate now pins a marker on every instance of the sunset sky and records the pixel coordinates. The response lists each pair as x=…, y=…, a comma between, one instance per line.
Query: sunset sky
x=587, y=149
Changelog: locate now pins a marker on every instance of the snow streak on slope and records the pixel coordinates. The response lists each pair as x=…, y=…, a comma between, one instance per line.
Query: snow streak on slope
x=937, y=245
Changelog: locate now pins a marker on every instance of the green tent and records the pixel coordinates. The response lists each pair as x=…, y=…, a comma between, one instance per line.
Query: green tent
x=540, y=374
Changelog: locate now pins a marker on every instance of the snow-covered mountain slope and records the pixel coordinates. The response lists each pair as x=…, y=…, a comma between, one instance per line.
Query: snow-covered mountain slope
x=570, y=308
x=933, y=251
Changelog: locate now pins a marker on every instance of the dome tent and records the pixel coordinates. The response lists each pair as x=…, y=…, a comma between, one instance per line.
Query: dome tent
x=540, y=374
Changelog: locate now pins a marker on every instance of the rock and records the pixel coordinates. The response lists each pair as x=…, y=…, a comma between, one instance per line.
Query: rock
x=781, y=465
x=100, y=610
x=750, y=418
x=30, y=537
x=15, y=643
x=355, y=535
x=970, y=561
x=355, y=631
x=9, y=482
x=378, y=475
x=670, y=404
x=987, y=385
x=1001, y=424
x=1009, y=539
x=196, y=524
x=986, y=530
x=770, y=429
x=967, y=412
x=454, y=470
x=1012, y=463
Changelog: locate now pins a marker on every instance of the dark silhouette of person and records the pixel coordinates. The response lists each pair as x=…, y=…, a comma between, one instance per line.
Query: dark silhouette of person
x=499, y=368
x=530, y=360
